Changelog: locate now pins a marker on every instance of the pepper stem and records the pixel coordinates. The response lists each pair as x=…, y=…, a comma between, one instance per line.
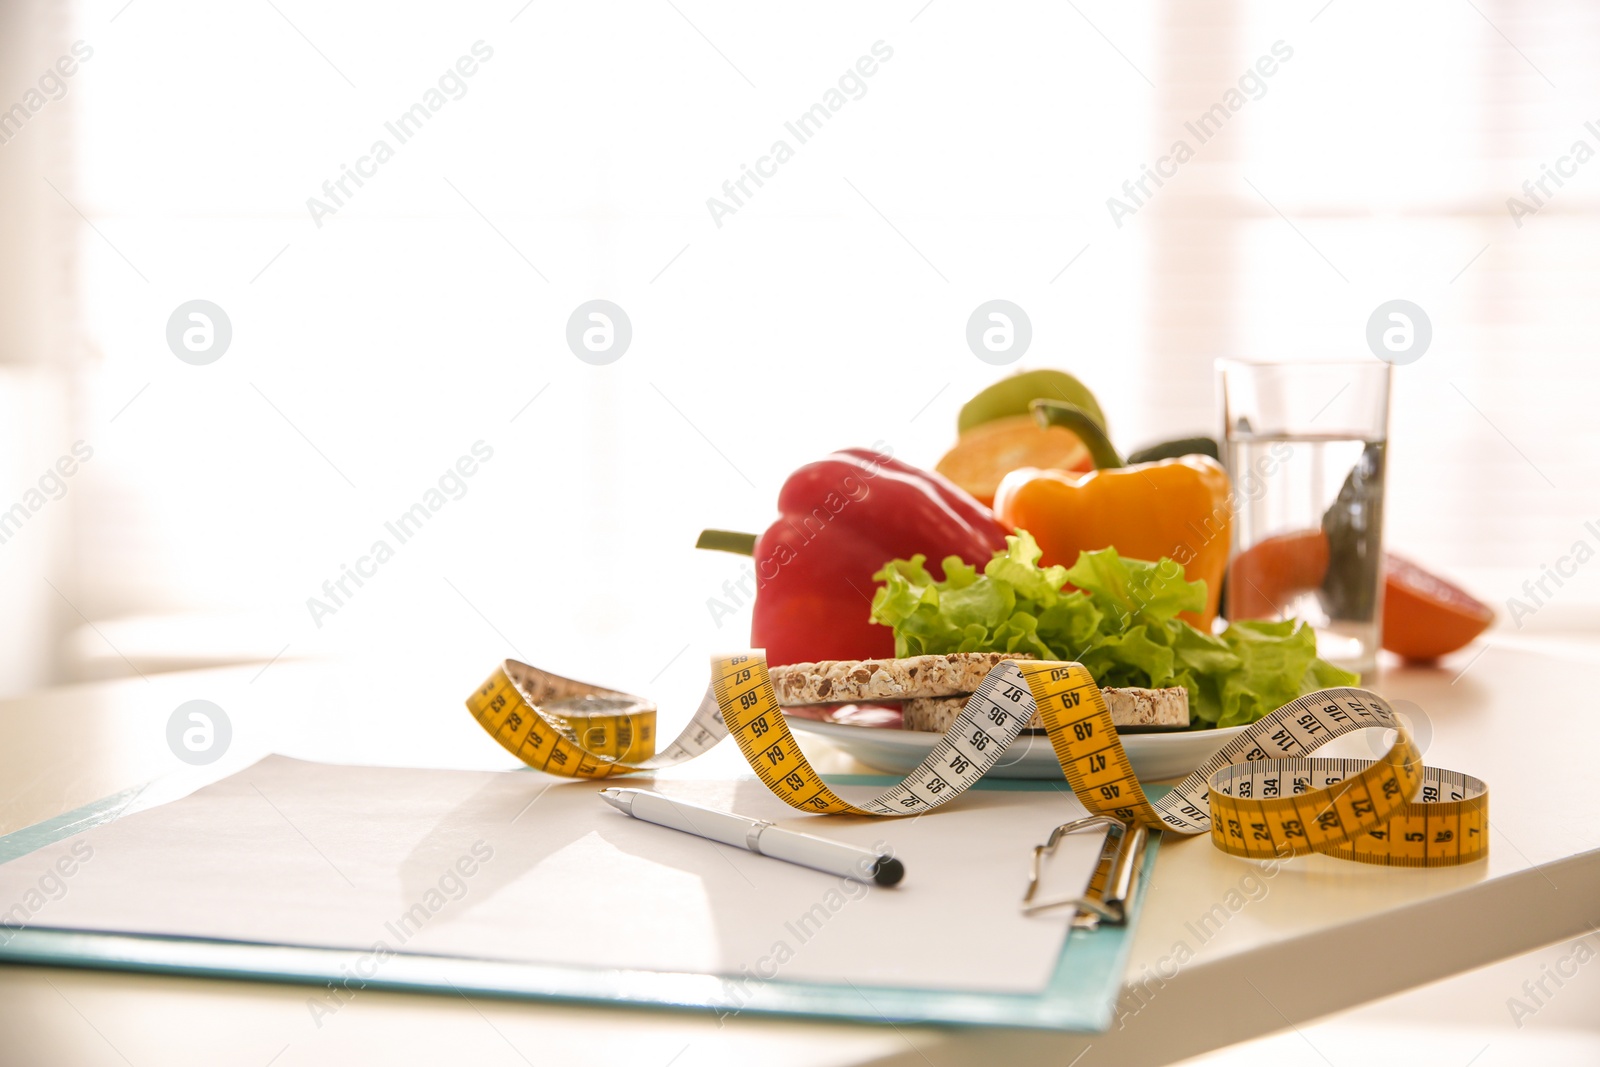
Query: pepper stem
x=1071, y=417
x=740, y=544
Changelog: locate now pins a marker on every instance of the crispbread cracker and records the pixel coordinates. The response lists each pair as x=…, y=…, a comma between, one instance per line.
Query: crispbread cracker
x=1128, y=707
x=846, y=681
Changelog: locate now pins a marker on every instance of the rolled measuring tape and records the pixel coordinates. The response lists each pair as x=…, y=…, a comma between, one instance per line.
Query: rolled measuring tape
x=1261, y=796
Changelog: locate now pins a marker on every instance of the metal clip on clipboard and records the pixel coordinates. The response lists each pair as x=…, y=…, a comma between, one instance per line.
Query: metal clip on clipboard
x=1120, y=858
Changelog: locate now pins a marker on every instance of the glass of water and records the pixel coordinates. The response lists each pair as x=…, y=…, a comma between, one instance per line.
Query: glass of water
x=1304, y=447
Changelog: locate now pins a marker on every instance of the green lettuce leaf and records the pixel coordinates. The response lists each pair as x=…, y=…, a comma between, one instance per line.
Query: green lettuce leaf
x=1143, y=592
x=1120, y=621
x=1018, y=566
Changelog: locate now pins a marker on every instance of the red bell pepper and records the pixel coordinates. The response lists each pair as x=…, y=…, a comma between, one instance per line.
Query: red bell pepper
x=841, y=519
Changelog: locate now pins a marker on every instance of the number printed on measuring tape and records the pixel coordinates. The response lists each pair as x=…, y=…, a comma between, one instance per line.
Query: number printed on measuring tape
x=1261, y=796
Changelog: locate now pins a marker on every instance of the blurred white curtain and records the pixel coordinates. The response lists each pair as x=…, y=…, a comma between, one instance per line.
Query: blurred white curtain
x=40, y=353
x=372, y=351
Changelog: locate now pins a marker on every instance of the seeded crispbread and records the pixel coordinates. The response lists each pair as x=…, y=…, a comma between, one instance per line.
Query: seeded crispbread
x=1128, y=707
x=846, y=681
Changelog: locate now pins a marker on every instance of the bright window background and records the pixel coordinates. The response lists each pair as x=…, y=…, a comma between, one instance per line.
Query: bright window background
x=829, y=311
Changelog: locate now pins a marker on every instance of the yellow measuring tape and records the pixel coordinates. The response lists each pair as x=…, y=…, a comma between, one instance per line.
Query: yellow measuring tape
x=1260, y=796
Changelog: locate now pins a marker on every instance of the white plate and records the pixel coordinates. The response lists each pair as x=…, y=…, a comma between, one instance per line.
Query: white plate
x=1154, y=756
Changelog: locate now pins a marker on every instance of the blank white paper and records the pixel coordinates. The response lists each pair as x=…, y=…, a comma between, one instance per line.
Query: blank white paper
x=508, y=866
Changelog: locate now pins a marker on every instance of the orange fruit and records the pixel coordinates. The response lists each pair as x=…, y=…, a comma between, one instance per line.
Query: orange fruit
x=989, y=451
x=1424, y=616
x=1271, y=573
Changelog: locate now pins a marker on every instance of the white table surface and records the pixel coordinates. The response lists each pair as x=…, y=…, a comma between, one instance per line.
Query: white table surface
x=1321, y=935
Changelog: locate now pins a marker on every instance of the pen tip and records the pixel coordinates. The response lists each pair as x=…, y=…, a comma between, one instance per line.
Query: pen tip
x=888, y=871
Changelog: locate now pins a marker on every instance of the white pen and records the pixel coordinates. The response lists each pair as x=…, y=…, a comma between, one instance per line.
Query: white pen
x=758, y=836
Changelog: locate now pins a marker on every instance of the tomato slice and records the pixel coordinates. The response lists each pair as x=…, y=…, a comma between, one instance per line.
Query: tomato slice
x=1424, y=616
x=1274, y=571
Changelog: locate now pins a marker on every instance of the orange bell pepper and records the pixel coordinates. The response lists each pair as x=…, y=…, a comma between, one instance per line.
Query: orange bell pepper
x=1178, y=508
